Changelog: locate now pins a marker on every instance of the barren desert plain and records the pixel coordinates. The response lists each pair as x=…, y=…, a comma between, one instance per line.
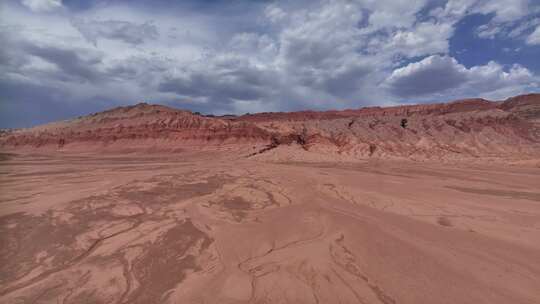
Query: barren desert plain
x=148, y=204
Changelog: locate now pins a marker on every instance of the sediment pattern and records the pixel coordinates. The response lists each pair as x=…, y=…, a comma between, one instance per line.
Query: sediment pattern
x=197, y=228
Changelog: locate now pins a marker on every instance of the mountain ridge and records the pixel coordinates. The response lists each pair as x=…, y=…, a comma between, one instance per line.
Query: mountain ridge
x=469, y=128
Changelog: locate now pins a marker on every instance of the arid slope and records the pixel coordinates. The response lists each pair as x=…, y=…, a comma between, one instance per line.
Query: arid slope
x=464, y=129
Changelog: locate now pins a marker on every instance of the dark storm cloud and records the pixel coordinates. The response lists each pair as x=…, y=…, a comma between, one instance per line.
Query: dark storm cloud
x=195, y=85
x=11, y=58
x=24, y=104
x=306, y=51
x=222, y=79
x=344, y=84
x=70, y=62
x=433, y=74
x=220, y=86
x=125, y=71
x=128, y=32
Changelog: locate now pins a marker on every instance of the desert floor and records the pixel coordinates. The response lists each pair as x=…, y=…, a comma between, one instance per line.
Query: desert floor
x=198, y=228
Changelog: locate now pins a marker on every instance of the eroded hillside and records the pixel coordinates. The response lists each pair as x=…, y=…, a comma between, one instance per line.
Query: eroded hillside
x=473, y=128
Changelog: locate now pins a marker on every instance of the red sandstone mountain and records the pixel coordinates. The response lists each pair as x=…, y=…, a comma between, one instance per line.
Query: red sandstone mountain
x=472, y=128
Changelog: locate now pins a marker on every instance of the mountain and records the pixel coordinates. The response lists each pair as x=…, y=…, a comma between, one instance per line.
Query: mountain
x=463, y=129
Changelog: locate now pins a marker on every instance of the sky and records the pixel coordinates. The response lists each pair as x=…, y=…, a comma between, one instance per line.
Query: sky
x=64, y=58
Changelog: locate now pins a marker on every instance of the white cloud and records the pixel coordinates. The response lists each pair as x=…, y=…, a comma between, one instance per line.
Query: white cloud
x=42, y=5
x=505, y=10
x=423, y=39
x=489, y=30
x=274, y=13
x=523, y=26
x=534, y=37
x=443, y=74
x=514, y=29
x=392, y=13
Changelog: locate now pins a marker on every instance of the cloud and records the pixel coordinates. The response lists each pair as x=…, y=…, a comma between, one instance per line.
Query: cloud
x=523, y=27
x=42, y=5
x=128, y=32
x=504, y=10
x=274, y=13
x=221, y=81
x=44, y=63
x=442, y=74
x=534, y=37
x=431, y=75
x=320, y=52
x=270, y=55
x=509, y=19
x=422, y=39
x=25, y=104
x=393, y=13
x=489, y=30
x=515, y=29
x=73, y=64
